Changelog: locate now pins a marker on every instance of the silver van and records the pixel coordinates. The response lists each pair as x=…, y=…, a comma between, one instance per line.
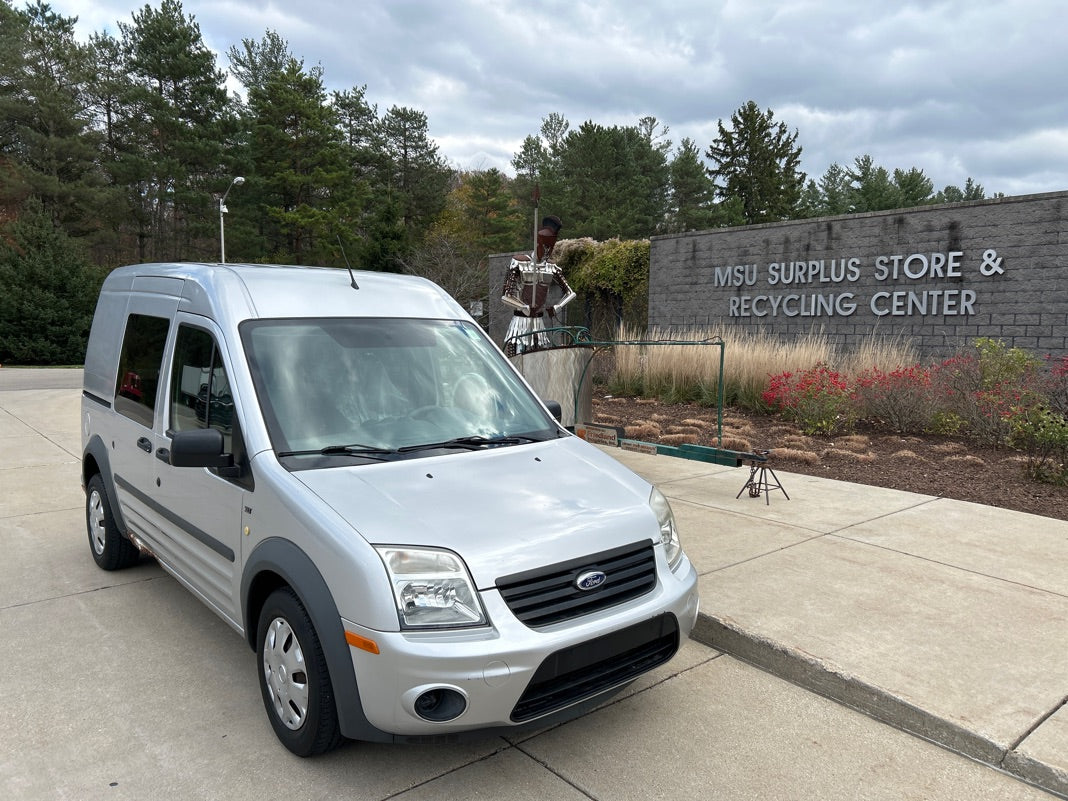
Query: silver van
x=348, y=471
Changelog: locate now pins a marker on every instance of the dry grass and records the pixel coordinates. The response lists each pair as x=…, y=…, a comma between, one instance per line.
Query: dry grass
x=966, y=459
x=677, y=439
x=775, y=433
x=850, y=456
x=794, y=455
x=737, y=444
x=733, y=429
x=749, y=359
x=693, y=433
x=797, y=441
x=853, y=442
x=884, y=352
x=642, y=430
x=910, y=440
x=907, y=456
x=949, y=448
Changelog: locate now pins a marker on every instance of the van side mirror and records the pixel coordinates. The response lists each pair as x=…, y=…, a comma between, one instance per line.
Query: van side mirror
x=555, y=410
x=199, y=447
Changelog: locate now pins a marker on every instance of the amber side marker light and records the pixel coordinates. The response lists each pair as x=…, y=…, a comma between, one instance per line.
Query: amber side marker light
x=364, y=644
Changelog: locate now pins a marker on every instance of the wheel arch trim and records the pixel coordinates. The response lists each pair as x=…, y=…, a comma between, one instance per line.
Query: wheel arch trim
x=277, y=561
x=96, y=452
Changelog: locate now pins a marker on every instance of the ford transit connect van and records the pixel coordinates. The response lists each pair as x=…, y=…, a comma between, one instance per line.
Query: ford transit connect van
x=350, y=473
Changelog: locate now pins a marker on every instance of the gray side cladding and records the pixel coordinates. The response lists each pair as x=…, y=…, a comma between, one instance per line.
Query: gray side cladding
x=939, y=276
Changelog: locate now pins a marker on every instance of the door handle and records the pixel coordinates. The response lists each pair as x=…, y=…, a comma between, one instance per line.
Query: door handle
x=145, y=444
x=163, y=454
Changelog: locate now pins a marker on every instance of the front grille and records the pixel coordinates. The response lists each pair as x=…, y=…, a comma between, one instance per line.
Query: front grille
x=550, y=595
x=582, y=671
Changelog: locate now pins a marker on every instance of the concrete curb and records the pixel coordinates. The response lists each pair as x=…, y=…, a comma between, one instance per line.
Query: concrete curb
x=1037, y=773
x=810, y=673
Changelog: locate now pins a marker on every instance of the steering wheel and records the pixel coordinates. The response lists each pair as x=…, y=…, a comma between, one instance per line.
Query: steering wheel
x=473, y=394
x=424, y=412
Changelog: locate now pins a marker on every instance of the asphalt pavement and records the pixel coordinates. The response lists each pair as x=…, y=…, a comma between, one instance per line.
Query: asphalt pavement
x=936, y=628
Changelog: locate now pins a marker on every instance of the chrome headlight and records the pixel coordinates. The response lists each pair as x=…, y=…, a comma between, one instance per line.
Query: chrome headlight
x=669, y=534
x=431, y=587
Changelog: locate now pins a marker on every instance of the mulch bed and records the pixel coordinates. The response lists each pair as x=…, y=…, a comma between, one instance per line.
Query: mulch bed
x=949, y=467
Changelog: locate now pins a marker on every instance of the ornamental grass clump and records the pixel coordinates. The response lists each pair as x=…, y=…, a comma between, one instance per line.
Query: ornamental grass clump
x=819, y=400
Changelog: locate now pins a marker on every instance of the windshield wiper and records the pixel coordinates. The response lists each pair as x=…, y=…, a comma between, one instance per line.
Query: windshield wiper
x=470, y=443
x=367, y=451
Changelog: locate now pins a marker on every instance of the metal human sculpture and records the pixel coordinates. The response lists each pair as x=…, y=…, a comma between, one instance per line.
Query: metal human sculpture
x=526, y=291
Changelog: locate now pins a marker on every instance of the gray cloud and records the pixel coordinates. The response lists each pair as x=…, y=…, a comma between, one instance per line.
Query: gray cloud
x=957, y=89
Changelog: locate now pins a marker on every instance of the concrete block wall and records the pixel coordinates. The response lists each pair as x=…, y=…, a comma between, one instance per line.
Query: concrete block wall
x=498, y=314
x=993, y=268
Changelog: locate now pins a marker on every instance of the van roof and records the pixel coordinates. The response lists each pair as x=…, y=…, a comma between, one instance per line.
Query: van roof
x=243, y=291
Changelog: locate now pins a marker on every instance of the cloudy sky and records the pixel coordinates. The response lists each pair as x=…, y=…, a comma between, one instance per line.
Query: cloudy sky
x=957, y=89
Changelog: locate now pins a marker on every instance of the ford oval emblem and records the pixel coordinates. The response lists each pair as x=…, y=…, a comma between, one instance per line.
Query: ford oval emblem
x=591, y=580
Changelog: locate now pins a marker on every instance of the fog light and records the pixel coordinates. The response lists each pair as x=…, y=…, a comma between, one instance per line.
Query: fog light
x=440, y=704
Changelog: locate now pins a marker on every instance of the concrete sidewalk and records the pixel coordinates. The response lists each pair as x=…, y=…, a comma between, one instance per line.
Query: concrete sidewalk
x=943, y=618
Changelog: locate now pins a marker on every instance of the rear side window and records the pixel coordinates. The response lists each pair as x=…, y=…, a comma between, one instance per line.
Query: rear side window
x=200, y=390
x=140, y=362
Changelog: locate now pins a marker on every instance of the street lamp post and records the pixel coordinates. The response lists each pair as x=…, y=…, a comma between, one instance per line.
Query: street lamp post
x=222, y=210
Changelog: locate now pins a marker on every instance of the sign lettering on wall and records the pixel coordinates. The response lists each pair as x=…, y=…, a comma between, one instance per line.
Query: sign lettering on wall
x=823, y=287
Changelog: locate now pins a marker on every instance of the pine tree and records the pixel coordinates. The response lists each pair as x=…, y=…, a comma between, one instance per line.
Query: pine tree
x=913, y=187
x=537, y=166
x=610, y=182
x=954, y=194
x=756, y=161
x=300, y=180
x=416, y=177
x=254, y=63
x=832, y=195
x=872, y=189
x=171, y=134
x=49, y=294
x=692, y=191
x=44, y=121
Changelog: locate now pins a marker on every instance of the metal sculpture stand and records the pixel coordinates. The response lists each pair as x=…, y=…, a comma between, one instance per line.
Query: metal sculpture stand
x=758, y=481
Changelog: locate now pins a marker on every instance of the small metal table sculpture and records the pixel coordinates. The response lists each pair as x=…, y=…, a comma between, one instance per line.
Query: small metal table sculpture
x=526, y=290
x=758, y=481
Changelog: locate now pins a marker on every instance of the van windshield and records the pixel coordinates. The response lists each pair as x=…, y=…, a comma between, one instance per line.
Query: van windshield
x=375, y=388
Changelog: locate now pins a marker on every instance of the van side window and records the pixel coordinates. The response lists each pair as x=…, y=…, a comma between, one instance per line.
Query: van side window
x=139, y=367
x=200, y=390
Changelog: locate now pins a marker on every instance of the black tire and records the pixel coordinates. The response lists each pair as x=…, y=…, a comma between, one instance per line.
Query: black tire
x=111, y=550
x=294, y=680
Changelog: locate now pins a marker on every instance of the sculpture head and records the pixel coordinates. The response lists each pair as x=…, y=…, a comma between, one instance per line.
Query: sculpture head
x=550, y=228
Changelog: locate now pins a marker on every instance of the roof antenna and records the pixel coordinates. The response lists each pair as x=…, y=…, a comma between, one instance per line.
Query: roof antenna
x=353, y=277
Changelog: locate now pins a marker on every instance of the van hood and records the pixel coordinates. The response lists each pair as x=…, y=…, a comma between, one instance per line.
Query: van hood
x=503, y=510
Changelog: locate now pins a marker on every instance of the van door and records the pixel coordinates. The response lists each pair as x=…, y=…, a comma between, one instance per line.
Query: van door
x=202, y=522
x=129, y=433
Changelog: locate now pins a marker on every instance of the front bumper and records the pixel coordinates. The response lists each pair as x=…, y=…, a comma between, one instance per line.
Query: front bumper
x=511, y=675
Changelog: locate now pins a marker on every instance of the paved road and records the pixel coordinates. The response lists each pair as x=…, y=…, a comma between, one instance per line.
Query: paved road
x=123, y=686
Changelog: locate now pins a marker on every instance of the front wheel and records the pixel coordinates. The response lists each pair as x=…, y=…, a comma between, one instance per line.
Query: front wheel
x=294, y=680
x=111, y=550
